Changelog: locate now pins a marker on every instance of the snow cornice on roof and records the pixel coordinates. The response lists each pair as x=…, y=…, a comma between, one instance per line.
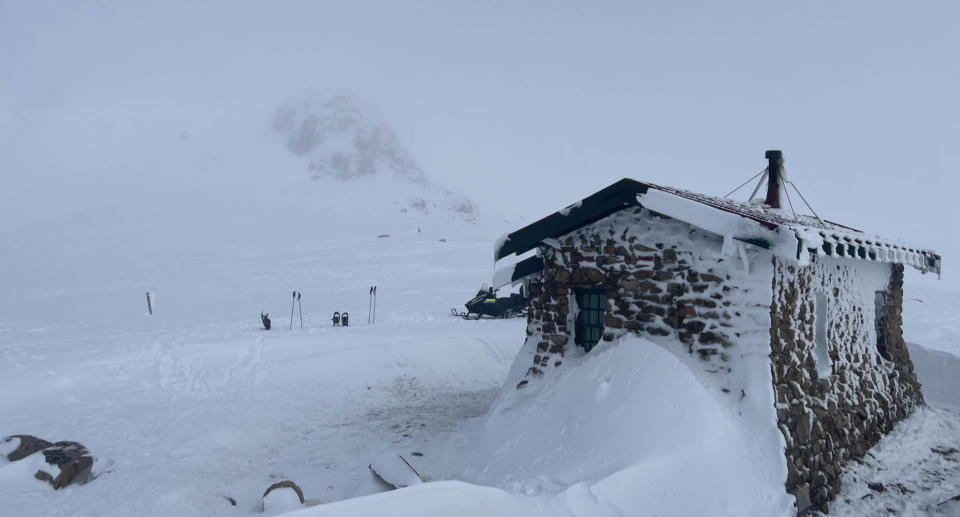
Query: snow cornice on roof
x=777, y=230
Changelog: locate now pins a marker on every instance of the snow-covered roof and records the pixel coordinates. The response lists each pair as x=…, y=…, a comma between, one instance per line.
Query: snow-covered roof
x=778, y=230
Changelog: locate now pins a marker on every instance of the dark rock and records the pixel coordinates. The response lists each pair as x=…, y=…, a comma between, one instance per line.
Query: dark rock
x=709, y=338
x=71, y=459
x=22, y=445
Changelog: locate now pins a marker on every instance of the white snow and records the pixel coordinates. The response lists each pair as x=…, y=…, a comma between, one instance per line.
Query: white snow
x=625, y=428
x=196, y=403
x=939, y=374
x=394, y=469
x=914, y=470
x=782, y=243
x=8, y=445
x=281, y=500
x=789, y=240
x=619, y=413
x=16, y=479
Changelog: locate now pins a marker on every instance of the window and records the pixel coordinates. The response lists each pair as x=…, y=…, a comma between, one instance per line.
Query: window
x=820, y=354
x=880, y=323
x=591, y=314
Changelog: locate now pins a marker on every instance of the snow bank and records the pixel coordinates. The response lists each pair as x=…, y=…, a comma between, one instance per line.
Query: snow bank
x=627, y=429
x=939, y=375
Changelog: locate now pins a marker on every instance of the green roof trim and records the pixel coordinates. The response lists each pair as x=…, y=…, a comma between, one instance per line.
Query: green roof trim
x=592, y=208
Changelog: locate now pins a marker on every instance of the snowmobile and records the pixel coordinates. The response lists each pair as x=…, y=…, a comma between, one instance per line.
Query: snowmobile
x=486, y=303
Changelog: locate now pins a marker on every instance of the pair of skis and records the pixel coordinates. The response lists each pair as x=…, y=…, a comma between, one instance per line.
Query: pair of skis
x=372, y=306
x=296, y=302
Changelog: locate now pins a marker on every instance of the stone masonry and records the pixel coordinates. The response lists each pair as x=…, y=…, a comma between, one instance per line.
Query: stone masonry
x=658, y=282
x=669, y=282
x=826, y=421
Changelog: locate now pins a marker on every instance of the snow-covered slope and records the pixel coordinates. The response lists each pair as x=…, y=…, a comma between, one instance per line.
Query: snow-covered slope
x=197, y=403
x=930, y=318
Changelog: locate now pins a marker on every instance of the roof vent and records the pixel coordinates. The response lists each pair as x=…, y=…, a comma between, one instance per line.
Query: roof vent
x=774, y=171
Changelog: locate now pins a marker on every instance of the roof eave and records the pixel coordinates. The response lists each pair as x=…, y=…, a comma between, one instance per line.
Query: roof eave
x=590, y=209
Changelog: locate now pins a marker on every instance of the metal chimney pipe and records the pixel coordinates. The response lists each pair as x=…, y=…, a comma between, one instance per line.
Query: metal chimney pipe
x=773, y=178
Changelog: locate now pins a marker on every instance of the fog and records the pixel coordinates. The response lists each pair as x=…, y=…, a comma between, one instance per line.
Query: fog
x=524, y=107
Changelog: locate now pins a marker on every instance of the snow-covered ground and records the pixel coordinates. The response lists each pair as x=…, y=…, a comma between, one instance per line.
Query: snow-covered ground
x=915, y=470
x=197, y=404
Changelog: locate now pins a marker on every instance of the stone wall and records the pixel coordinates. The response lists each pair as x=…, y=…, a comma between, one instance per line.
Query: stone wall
x=828, y=419
x=673, y=284
x=664, y=279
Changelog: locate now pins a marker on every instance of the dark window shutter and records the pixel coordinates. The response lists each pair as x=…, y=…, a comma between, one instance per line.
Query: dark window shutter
x=592, y=305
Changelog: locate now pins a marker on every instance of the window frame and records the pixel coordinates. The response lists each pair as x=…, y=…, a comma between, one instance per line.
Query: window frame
x=590, y=319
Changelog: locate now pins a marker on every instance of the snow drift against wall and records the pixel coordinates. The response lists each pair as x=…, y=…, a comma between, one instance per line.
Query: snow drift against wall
x=626, y=429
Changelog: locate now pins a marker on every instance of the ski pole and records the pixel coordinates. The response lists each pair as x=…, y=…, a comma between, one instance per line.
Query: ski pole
x=370, y=305
x=300, y=306
x=292, y=303
x=374, y=305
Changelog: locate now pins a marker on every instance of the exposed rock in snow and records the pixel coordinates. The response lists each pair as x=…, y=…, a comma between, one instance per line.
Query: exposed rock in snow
x=19, y=446
x=341, y=138
x=60, y=464
x=344, y=139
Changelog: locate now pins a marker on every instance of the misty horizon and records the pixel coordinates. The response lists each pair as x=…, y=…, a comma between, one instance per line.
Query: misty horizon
x=524, y=109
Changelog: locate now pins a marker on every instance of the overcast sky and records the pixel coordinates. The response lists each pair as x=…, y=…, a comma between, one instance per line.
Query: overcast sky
x=526, y=105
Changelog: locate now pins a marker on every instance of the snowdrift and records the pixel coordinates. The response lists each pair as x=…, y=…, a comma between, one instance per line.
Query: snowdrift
x=625, y=430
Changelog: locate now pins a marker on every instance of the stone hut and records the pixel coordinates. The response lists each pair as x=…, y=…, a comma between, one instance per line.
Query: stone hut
x=716, y=280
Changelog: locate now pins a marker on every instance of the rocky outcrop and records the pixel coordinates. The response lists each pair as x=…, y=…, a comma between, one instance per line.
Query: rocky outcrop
x=341, y=138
